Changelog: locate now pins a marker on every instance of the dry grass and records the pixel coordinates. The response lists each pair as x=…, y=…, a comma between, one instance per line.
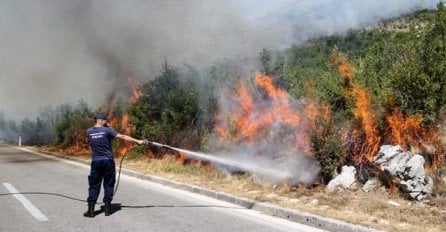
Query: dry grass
x=375, y=209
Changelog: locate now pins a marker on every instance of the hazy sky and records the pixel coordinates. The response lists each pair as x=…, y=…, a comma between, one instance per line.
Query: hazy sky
x=54, y=52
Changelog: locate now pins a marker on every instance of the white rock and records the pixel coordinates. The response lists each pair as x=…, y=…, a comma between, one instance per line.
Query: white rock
x=371, y=185
x=345, y=180
x=407, y=186
x=414, y=195
x=429, y=184
x=406, y=170
x=386, y=153
x=396, y=166
x=415, y=167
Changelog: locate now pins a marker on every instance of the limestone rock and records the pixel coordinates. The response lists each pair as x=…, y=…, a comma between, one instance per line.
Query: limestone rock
x=371, y=185
x=406, y=170
x=344, y=180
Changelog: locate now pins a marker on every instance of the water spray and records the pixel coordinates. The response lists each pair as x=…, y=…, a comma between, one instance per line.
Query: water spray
x=282, y=175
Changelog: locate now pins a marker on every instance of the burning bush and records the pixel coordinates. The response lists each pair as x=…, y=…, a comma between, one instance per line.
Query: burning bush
x=264, y=125
x=398, y=128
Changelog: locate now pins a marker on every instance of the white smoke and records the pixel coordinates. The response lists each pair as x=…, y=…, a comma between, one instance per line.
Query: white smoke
x=54, y=52
x=272, y=157
x=306, y=19
x=266, y=127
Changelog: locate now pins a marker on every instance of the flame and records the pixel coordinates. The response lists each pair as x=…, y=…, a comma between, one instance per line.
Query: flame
x=368, y=131
x=410, y=134
x=128, y=128
x=181, y=158
x=281, y=105
x=136, y=92
x=80, y=142
x=369, y=122
x=257, y=110
x=122, y=123
x=112, y=105
x=406, y=131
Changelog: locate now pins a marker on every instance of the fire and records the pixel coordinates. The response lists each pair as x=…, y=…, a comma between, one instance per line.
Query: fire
x=258, y=110
x=408, y=132
x=80, y=142
x=401, y=129
x=365, y=150
x=122, y=122
x=136, y=92
x=369, y=122
x=405, y=130
x=128, y=128
x=281, y=105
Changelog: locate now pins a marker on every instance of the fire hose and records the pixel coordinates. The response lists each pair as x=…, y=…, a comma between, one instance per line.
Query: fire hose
x=146, y=142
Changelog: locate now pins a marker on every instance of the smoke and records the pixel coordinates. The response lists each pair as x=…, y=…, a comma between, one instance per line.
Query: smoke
x=273, y=156
x=8, y=129
x=55, y=52
x=302, y=20
x=262, y=125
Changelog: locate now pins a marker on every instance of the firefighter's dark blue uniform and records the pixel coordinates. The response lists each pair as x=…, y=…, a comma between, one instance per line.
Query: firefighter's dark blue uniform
x=102, y=163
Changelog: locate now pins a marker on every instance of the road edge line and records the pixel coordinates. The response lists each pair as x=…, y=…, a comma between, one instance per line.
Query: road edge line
x=26, y=203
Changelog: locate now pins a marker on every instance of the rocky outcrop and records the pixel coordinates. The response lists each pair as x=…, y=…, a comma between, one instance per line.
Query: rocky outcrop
x=406, y=170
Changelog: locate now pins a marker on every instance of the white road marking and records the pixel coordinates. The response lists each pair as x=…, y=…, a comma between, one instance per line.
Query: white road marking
x=26, y=203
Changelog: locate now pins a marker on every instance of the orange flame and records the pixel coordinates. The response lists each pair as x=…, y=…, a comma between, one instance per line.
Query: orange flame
x=362, y=110
x=409, y=133
x=122, y=122
x=136, y=92
x=405, y=130
x=258, y=111
x=369, y=122
x=80, y=142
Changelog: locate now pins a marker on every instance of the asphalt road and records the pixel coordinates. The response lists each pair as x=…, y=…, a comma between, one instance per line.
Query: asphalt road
x=54, y=191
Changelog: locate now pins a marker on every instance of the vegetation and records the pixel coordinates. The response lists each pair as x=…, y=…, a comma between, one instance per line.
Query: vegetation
x=168, y=110
x=398, y=67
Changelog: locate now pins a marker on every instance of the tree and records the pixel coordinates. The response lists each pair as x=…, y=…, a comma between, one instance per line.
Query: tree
x=71, y=124
x=265, y=58
x=8, y=129
x=433, y=63
x=169, y=107
x=417, y=75
x=415, y=91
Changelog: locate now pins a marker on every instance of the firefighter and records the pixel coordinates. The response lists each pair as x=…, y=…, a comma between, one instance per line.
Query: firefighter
x=102, y=163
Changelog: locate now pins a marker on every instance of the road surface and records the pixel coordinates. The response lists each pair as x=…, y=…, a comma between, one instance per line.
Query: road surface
x=54, y=191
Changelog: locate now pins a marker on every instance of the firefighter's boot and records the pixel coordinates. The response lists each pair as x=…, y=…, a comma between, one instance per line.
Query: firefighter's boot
x=108, y=209
x=90, y=211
